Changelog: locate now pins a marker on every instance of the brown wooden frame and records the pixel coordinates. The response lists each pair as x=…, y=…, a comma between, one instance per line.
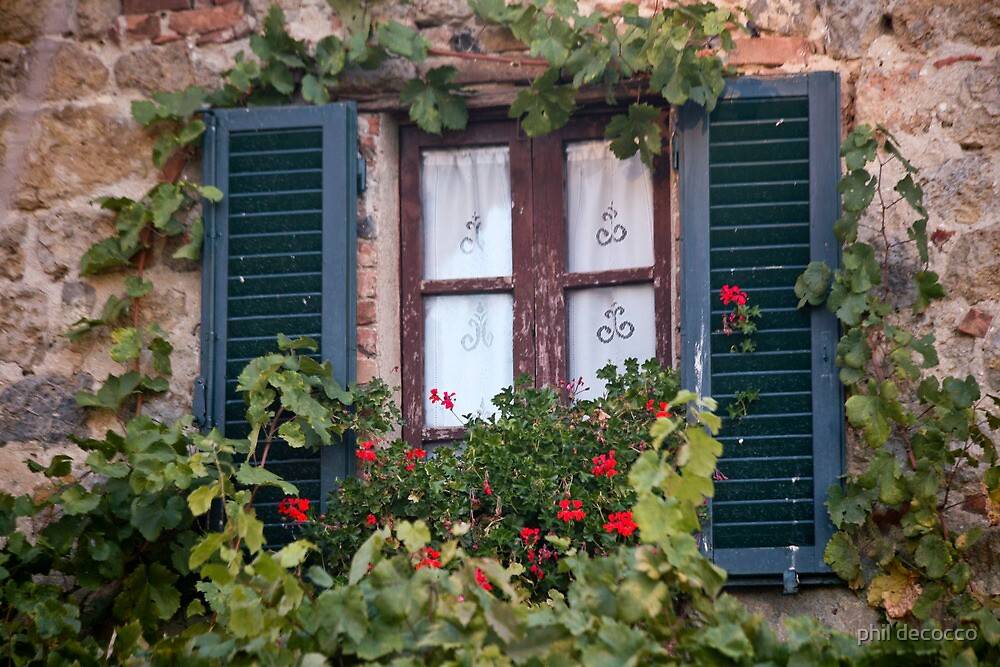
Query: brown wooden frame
x=539, y=281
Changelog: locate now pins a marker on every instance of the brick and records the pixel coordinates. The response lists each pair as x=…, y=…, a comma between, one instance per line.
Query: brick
x=217, y=37
x=142, y=26
x=366, y=311
x=367, y=369
x=367, y=279
x=146, y=6
x=367, y=255
x=368, y=341
x=770, y=51
x=975, y=323
x=166, y=37
x=198, y=21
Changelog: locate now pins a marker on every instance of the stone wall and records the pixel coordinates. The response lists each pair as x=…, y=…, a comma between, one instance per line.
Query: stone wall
x=930, y=71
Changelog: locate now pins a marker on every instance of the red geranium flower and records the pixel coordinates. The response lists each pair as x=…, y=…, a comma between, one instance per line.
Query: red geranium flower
x=446, y=399
x=487, y=489
x=371, y=520
x=483, y=581
x=621, y=523
x=662, y=411
x=566, y=514
x=604, y=465
x=431, y=558
x=530, y=535
x=366, y=451
x=294, y=508
x=732, y=294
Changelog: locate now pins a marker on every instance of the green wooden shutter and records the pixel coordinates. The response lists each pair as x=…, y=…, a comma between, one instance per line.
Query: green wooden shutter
x=758, y=203
x=279, y=258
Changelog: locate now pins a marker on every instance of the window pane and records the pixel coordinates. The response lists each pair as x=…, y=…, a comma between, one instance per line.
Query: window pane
x=609, y=209
x=609, y=324
x=468, y=349
x=467, y=213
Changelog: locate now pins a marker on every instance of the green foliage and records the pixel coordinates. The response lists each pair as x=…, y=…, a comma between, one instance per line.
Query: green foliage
x=671, y=52
x=435, y=104
x=894, y=516
x=509, y=473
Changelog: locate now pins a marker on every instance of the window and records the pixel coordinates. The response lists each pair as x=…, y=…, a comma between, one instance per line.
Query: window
x=758, y=187
x=548, y=257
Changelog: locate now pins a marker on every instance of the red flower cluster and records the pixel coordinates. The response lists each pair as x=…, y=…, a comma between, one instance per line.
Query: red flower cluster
x=414, y=454
x=371, y=520
x=621, y=523
x=566, y=514
x=431, y=558
x=604, y=465
x=366, y=451
x=294, y=508
x=661, y=410
x=483, y=581
x=530, y=535
x=446, y=399
x=732, y=294
x=487, y=489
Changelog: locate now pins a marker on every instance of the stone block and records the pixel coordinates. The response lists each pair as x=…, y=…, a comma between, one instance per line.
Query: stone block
x=142, y=26
x=78, y=151
x=974, y=266
x=975, y=323
x=75, y=73
x=24, y=326
x=12, y=250
x=154, y=68
x=210, y=19
x=770, y=51
x=366, y=311
x=95, y=18
x=42, y=408
x=13, y=68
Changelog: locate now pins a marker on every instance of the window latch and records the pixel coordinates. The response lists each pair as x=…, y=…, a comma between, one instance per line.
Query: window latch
x=362, y=174
x=791, y=582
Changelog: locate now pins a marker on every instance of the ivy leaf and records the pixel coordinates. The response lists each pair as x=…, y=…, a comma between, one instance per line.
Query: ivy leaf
x=314, y=91
x=636, y=131
x=205, y=548
x=813, y=284
x=865, y=412
x=76, y=500
x=330, y=56
x=151, y=514
x=928, y=289
x=933, y=555
x=251, y=475
x=402, y=41
x=126, y=344
x=366, y=556
x=849, y=506
x=211, y=193
x=434, y=102
x=414, y=536
x=544, y=107
x=842, y=555
x=858, y=189
x=114, y=391
x=896, y=591
x=103, y=256
x=192, y=249
x=292, y=554
x=137, y=287
x=200, y=500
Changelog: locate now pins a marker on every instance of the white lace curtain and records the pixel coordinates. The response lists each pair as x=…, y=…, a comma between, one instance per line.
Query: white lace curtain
x=468, y=339
x=610, y=226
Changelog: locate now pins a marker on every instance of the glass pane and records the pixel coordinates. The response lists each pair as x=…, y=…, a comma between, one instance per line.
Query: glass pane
x=609, y=324
x=609, y=209
x=467, y=219
x=468, y=349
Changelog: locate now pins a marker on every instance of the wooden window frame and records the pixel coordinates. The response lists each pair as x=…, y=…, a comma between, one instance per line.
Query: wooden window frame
x=539, y=280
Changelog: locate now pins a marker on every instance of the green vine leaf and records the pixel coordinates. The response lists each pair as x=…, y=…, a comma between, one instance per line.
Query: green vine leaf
x=192, y=249
x=813, y=284
x=546, y=106
x=636, y=131
x=402, y=41
x=115, y=391
x=928, y=289
x=126, y=344
x=434, y=102
x=842, y=555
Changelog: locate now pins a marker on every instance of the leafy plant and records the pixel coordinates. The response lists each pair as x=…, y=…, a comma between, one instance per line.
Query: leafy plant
x=509, y=475
x=739, y=407
x=895, y=537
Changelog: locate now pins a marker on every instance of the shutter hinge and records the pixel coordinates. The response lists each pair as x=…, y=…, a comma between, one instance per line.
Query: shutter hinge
x=362, y=174
x=675, y=152
x=791, y=582
x=199, y=404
